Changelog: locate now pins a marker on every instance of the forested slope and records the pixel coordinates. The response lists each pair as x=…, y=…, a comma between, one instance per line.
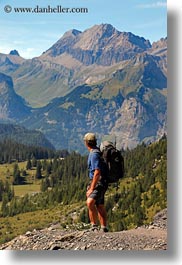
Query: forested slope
x=138, y=197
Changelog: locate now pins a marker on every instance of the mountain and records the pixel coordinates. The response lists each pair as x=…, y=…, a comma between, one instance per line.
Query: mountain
x=140, y=116
x=12, y=106
x=10, y=62
x=76, y=58
x=24, y=136
x=14, y=52
x=101, y=45
x=100, y=80
x=159, y=47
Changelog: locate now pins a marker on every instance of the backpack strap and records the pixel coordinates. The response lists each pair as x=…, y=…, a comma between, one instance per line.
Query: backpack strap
x=96, y=150
x=104, y=168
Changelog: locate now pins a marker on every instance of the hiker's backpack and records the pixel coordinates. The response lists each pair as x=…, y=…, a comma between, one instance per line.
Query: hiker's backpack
x=114, y=161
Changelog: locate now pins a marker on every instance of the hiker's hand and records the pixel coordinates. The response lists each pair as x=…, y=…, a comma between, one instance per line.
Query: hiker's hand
x=89, y=191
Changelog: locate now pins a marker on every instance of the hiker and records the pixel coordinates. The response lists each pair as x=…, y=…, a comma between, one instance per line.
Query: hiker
x=97, y=186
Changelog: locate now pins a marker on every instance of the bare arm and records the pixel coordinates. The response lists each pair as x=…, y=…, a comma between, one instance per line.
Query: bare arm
x=95, y=179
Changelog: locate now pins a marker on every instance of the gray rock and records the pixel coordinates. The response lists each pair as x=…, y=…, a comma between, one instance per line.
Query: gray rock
x=142, y=238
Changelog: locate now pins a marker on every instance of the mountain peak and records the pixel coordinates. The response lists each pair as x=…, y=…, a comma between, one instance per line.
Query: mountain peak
x=105, y=45
x=104, y=28
x=63, y=44
x=101, y=44
x=97, y=33
x=162, y=43
x=72, y=32
x=14, y=52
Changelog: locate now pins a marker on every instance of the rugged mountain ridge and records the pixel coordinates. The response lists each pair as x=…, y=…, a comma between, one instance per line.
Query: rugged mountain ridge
x=77, y=58
x=131, y=104
x=101, y=45
x=98, y=80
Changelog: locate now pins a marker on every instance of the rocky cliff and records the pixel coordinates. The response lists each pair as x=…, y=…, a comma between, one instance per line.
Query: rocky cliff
x=12, y=106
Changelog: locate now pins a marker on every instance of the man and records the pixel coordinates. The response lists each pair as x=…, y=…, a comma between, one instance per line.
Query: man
x=97, y=186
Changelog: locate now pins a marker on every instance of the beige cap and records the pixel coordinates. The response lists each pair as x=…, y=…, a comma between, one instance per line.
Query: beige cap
x=89, y=137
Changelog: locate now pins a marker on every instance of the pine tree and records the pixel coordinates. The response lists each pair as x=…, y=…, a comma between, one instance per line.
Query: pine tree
x=4, y=207
x=34, y=162
x=45, y=184
x=17, y=179
x=29, y=164
x=38, y=173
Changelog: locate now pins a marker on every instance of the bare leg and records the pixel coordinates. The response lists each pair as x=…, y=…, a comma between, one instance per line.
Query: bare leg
x=102, y=215
x=92, y=210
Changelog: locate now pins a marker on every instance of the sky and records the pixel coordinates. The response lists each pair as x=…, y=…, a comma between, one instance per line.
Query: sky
x=32, y=33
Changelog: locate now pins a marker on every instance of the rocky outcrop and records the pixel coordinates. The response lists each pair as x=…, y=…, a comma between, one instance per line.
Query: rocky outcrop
x=12, y=106
x=160, y=45
x=14, y=52
x=10, y=62
x=153, y=237
x=101, y=44
x=136, y=122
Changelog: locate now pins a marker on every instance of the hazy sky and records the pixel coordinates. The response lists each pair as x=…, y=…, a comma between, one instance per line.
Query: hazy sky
x=32, y=33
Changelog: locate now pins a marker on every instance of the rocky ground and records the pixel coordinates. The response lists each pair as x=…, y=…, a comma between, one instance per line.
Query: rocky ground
x=152, y=237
